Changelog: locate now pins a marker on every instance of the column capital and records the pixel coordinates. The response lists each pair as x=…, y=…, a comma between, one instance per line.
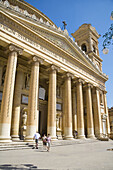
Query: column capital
x=53, y=68
x=68, y=75
x=88, y=85
x=35, y=59
x=14, y=48
x=104, y=91
x=79, y=80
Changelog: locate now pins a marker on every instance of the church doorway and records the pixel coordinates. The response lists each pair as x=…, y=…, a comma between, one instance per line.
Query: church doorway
x=42, y=117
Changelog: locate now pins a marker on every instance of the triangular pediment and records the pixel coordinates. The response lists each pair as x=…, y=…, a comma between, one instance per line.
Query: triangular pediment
x=56, y=37
x=63, y=41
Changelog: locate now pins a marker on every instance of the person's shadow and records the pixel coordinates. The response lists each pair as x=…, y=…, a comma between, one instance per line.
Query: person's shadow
x=18, y=166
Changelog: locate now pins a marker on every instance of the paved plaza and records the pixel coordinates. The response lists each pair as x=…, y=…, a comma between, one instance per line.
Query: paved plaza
x=78, y=155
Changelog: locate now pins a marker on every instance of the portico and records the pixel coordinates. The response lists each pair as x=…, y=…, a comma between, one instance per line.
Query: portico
x=48, y=83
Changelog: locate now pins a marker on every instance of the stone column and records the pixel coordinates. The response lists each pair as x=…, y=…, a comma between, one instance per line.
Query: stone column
x=16, y=104
x=97, y=113
x=51, y=122
x=63, y=116
x=106, y=112
x=1, y=67
x=74, y=98
x=33, y=100
x=90, y=127
x=80, y=112
x=68, y=108
x=7, y=100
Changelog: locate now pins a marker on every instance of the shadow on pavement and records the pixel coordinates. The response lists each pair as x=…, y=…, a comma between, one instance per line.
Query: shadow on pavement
x=19, y=167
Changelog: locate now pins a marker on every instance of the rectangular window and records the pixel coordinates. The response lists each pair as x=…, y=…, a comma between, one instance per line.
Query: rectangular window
x=1, y=93
x=58, y=106
x=24, y=99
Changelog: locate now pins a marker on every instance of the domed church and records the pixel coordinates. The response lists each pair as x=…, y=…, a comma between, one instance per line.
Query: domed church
x=49, y=82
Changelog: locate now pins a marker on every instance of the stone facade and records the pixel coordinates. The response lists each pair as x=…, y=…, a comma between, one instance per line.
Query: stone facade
x=49, y=82
x=110, y=111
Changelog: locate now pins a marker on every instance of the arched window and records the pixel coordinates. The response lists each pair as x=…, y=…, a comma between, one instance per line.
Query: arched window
x=84, y=48
x=94, y=49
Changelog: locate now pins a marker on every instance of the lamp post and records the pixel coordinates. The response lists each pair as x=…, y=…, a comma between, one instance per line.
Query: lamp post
x=108, y=37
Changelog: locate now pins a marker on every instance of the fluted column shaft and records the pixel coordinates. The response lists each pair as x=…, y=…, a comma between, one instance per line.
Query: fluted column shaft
x=51, y=124
x=0, y=73
x=106, y=112
x=97, y=113
x=33, y=101
x=80, y=113
x=68, y=108
x=16, y=105
x=7, y=100
x=90, y=127
x=74, y=110
x=63, y=121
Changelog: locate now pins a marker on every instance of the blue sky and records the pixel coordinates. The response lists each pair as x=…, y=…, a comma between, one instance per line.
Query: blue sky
x=77, y=12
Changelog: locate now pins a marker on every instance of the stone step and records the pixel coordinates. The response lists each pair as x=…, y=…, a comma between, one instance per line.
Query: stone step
x=24, y=145
x=18, y=145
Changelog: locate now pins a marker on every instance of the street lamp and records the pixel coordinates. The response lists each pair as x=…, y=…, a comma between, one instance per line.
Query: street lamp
x=108, y=37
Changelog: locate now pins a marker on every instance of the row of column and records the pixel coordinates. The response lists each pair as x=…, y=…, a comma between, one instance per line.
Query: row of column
x=7, y=103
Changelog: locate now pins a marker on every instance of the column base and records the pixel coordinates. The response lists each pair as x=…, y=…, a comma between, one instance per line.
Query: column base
x=81, y=137
x=15, y=138
x=28, y=139
x=53, y=138
x=3, y=139
x=59, y=137
x=111, y=135
x=91, y=136
x=103, y=137
x=68, y=138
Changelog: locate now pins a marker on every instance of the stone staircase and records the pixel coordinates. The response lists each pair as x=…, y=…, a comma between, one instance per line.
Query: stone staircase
x=15, y=146
x=24, y=145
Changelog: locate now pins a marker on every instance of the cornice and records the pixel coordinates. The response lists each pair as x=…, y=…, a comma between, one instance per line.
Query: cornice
x=21, y=6
x=73, y=44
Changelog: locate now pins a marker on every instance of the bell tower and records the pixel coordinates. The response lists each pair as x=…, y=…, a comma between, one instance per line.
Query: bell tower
x=87, y=37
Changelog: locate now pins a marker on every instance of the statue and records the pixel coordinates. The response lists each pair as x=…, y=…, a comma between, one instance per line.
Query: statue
x=27, y=81
x=24, y=120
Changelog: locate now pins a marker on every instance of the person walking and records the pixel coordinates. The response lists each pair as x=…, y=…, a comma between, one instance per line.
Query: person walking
x=48, y=142
x=44, y=140
x=36, y=138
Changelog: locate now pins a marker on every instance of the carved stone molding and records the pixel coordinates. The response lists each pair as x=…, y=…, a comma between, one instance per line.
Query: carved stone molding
x=22, y=68
x=104, y=116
